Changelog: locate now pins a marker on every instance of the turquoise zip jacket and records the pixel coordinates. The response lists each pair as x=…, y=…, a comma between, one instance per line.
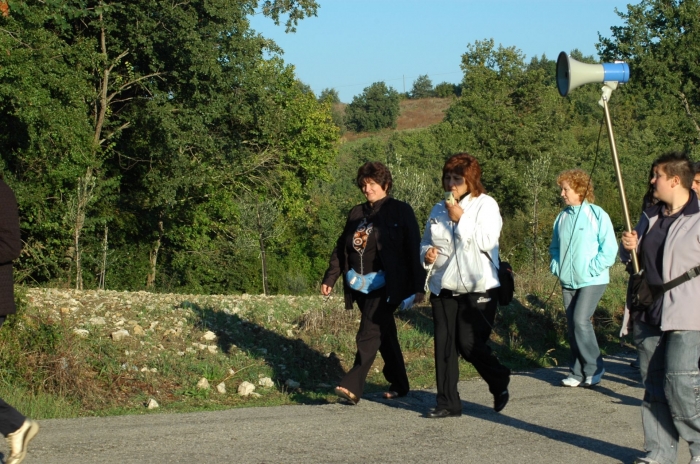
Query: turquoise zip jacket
x=583, y=246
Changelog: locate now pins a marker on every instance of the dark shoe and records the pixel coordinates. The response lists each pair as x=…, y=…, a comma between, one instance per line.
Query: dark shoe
x=500, y=401
x=440, y=413
x=347, y=394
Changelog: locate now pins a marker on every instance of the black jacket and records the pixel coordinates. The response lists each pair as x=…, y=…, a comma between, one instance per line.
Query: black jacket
x=10, y=247
x=398, y=246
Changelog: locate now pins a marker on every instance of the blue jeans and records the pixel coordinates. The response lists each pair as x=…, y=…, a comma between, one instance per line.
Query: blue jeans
x=660, y=434
x=580, y=305
x=682, y=385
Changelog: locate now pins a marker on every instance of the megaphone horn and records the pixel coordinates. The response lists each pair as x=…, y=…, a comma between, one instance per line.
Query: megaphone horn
x=572, y=74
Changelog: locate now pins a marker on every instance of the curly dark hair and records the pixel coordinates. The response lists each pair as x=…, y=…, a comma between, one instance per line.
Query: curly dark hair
x=377, y=172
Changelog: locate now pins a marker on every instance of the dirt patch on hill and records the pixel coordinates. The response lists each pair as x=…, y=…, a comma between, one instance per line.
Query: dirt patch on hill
x=413, y=114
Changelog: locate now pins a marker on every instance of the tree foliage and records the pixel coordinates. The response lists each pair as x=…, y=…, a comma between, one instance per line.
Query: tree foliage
x=182, y=132
x=150, y=118
x=445, y=90
x=377, y=107
x=422, y=87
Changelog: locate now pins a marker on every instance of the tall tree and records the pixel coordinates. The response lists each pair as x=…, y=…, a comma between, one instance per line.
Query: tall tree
x=660, y=39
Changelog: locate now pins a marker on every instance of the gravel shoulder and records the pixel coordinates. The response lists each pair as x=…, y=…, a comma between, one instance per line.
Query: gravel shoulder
x=543, y=423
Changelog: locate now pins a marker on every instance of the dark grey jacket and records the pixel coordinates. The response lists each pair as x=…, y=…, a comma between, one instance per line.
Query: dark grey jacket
x=10, y=247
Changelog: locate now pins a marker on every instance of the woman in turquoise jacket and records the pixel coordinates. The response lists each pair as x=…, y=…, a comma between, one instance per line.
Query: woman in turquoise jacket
x=583, y=248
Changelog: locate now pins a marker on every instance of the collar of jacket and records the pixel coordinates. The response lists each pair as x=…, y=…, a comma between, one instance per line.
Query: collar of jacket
x=371, y=210
x=574, y=209
x=689, y=209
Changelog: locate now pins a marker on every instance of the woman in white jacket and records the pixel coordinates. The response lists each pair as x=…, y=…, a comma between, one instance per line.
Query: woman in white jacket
x=460, y=249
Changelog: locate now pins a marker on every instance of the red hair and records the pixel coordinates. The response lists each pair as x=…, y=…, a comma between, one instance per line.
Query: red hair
x=468, y=167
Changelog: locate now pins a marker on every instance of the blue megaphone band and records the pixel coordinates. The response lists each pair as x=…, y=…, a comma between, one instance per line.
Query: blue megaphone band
x=619, y=72
x=365, y=283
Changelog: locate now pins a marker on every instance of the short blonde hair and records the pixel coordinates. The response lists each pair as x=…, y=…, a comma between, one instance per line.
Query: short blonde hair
x=580, y=182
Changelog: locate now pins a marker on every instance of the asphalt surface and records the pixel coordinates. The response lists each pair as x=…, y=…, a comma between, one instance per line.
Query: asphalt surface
x=543, y=423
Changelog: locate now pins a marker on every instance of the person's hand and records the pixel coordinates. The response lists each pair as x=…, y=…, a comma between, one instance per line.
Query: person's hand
x=629, y=240
x=325, y=290
x=431, y=255
x=420, y=297
x=455, y=211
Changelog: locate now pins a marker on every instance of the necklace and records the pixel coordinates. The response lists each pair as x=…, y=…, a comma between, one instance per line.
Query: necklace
x=668, y=211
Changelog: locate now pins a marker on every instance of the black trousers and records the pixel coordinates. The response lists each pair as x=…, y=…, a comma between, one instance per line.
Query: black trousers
x=463, y=325
x=377, y=333
x=10, y=419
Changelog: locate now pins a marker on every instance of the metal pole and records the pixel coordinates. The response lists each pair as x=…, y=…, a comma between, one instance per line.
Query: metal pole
x=620, y=185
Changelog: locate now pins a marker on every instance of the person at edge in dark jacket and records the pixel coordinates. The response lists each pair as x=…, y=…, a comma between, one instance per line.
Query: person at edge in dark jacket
x=667, y=334
x=377, y=255
x=18, y=430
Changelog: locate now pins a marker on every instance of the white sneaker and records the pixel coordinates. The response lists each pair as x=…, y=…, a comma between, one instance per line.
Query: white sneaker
x=570, y=382
x=595, y=380
x=19, y=440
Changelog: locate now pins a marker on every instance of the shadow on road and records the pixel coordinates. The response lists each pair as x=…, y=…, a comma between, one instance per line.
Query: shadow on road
x=617, y=370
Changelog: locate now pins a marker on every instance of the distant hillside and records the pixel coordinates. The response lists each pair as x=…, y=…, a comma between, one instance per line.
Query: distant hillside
x=414, y=114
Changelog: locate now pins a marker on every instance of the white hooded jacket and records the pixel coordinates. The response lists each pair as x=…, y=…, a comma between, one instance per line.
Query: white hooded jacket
x=479, y=226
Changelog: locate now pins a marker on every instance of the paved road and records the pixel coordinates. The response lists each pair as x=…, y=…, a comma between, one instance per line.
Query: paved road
x=543, y=423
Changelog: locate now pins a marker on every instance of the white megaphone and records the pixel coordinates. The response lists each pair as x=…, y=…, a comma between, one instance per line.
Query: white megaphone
x=572, y=74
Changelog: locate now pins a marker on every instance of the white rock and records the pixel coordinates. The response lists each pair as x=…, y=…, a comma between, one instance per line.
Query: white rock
x=209, y=336
x=246, y=388
x=138, y=330
x=266, y=382
x=292, y=383
x=256, y=395
x=203, y=384
x=152, y=404
x=98, y=320
x=221, y=388
x=290, y=333
x=81, y=333
x=120, y=335
x=212, y=348
x=231, y=371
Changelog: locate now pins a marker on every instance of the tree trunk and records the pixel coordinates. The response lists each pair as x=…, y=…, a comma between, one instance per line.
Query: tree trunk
x=261, y=241
x=83, y=196
x=153, y=257
x=103, y=271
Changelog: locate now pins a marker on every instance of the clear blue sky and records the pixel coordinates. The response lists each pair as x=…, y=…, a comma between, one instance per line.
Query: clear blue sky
x=353, y=43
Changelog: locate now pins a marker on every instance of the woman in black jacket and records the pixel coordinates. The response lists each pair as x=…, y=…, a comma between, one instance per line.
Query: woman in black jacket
x=378, y=257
